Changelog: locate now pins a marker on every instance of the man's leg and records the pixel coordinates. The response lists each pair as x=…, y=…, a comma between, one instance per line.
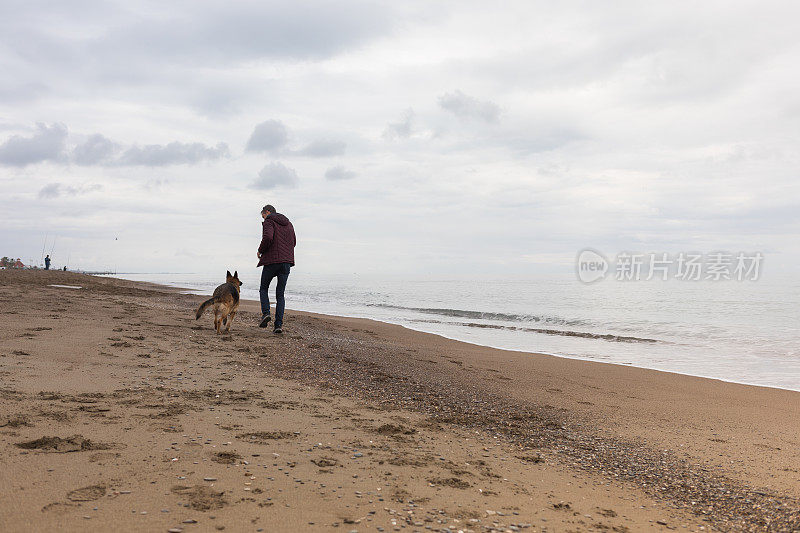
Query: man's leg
x=267, y=273
x=280, y=304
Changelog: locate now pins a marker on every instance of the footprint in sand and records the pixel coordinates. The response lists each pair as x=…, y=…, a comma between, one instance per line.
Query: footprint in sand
x=121, y=344
x=17, y=421
x=59, y=507
x=393, y=429
x=75, y=443
x=201, y=498
x=325, y=462
x=454, y=482
x=101, y=457
x=226, y=458
x=87, y=494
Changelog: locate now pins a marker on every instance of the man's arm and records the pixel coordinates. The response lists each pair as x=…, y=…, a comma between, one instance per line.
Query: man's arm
x=266, y=238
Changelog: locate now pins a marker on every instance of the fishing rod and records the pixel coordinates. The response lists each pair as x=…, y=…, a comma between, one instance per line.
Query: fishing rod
x=43, y=248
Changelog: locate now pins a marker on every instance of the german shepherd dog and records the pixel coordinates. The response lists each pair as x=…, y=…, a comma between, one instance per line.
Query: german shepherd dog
x=225, y=301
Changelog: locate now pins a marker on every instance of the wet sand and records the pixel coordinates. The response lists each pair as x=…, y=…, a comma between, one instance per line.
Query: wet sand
x=121, y=412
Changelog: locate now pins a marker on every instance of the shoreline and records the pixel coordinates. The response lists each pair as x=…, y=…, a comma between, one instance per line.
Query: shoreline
x=459, y=336
x=738, y=381
x=256, y=304
x=566, y=438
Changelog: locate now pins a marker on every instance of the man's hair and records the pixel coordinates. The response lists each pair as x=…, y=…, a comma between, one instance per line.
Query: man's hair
x=269, y=208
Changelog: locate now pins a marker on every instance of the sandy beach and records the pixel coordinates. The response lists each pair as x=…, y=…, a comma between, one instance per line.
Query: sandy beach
x=120, y=412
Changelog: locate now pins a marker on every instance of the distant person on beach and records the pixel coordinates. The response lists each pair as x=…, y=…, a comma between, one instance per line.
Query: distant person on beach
x=47, y=262
x=276, y=255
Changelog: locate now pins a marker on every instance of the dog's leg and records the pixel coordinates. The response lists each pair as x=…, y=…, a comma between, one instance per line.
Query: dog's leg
x=225, y=318
x=230, y=321
x=217, y=320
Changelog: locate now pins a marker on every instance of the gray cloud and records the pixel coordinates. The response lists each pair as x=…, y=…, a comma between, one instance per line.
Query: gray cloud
x=174, y=153
x=275, y=175
x=51, y=190
x=54, y=190
x=178, y=52
x=339, y=173
x=401, y=129
x=46, y=144
x=323, y=148
x=465, y=106
x=97, y=149
x=273, y=30
x=269, y=136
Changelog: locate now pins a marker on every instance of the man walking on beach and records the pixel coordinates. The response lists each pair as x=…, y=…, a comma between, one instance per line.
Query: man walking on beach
x=47, y=262
x=276, y=255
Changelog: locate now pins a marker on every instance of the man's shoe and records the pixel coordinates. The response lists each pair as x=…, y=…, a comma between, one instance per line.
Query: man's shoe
x=277, y=330
x=264, y=321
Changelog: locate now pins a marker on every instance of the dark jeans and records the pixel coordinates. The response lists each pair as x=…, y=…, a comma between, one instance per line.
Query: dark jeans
x=281, y=271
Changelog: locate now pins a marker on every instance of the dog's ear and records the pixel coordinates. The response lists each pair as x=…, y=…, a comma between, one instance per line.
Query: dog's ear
x=228, y=274
x=236, y=274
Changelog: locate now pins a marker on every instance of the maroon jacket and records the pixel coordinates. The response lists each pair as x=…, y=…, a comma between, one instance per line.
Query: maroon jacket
x=278, y=241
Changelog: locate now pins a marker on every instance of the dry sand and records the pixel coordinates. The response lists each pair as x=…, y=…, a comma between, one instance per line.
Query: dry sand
x=120, y=412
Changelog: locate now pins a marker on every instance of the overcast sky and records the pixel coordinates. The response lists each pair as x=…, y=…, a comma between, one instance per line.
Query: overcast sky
x=401, y=138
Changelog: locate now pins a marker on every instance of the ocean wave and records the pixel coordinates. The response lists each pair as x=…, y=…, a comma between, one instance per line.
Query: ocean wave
x=486, y=315
x=545, y=331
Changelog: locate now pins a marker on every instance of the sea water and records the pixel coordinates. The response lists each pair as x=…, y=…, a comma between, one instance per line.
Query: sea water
x=740, y=331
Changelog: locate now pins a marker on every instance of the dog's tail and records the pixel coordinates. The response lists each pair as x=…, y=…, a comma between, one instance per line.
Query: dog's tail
x=202, y=308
